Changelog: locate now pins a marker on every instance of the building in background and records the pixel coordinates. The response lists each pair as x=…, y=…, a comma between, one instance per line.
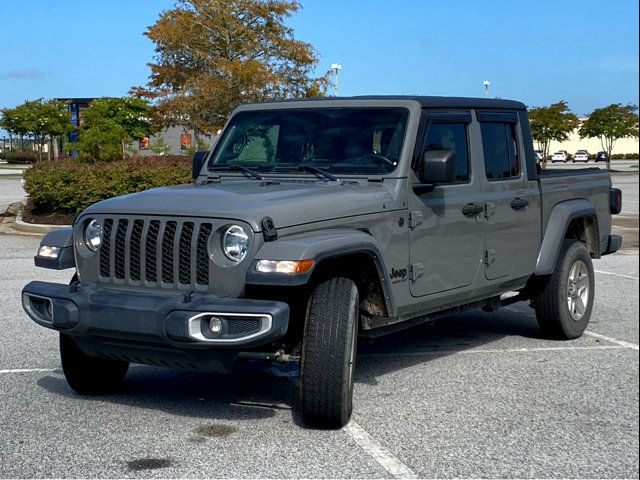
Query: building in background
x=593, y=145
x=173, y=140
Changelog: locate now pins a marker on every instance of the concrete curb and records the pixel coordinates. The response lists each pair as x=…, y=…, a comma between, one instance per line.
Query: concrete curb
x=38, y=228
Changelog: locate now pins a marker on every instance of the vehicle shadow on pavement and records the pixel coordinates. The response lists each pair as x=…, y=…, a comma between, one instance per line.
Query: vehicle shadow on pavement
x=251, y=392
x=258, y=390
x=442, y=337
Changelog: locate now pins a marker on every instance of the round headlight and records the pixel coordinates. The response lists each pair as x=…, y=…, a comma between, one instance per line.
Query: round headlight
x=235, y=243
x=93, y=235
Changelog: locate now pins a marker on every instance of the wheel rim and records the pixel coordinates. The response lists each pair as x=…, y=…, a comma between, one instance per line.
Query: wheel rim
x=578, y=290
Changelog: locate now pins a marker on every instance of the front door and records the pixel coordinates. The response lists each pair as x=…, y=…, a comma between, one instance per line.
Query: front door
x=446, y=239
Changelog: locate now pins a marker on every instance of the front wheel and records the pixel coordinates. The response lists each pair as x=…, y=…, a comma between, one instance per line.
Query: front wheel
x=89, y=375
x=563, y=307
x=329, y=354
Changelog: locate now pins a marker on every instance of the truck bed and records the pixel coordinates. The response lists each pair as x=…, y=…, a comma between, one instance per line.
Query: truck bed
x=591, y=184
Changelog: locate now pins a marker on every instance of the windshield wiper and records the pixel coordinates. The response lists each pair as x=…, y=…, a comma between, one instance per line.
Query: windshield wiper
x=239, y=168
x=310, y=169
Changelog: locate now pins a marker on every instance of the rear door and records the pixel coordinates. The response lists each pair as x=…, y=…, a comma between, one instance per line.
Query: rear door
x=446, y=245
x=512, y=210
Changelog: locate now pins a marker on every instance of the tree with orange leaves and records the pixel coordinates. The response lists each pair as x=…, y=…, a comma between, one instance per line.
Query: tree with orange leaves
x=213, y=55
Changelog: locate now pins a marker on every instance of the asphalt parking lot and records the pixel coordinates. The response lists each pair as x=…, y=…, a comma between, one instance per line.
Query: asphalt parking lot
x=472, y=395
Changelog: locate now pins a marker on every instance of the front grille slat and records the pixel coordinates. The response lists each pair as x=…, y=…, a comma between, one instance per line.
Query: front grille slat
x=184, y=253
x=112, y=241
x=151, y=254
x=120, y=248
x=168, y=240
x=135, y=242
x=156, y=253
x=202, y=254
x=105, y=249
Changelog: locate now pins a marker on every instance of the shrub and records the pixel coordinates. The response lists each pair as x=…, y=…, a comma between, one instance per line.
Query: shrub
x=101, y=143
x=70, y=185
x=22, y=157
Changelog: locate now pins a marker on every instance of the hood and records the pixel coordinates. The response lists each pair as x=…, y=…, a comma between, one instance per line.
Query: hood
x=288, y=203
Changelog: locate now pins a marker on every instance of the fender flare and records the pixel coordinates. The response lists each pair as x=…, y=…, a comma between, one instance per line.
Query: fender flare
x=319, y=246
x=561, y=216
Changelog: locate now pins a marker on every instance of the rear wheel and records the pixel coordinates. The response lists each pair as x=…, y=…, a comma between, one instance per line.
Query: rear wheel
x=89, y=375
x=563, y=307
x=329, y=354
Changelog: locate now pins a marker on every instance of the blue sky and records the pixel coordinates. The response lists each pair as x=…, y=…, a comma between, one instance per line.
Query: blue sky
x=539, y=52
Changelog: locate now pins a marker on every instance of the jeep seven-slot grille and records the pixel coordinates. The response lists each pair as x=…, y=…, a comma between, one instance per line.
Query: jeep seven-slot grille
x=155, y=253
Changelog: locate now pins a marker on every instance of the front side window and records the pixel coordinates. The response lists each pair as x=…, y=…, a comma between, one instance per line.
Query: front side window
x=452, y=137
x=338, y=140
x=500, y=148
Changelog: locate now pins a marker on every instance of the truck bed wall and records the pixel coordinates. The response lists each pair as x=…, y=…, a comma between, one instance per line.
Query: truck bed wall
x=591, y=184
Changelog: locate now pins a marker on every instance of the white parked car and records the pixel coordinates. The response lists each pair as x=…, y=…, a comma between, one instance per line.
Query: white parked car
x=559, y=156
x=581, y=156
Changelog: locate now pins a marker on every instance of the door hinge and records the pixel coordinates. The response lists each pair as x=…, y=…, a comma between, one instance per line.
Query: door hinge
x=417, y=270
x=415, y=219
x=489, y=257
x=269, y=231
x=489, y=209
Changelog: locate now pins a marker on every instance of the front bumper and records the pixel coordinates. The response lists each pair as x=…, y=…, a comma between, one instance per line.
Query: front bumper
x=158, y=329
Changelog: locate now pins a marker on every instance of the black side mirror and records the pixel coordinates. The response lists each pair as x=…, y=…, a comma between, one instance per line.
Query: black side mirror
x=197, y=161
x=438, y=166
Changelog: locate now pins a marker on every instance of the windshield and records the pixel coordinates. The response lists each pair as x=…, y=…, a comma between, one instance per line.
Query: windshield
x=337, y=140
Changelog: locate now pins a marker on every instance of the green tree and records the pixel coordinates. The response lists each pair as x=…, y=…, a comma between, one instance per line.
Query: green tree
x=610, y=124
x=100, y=142
x=9, y=121
x=213, y=55
x=554, y=122
x=113, y=122
x=54, y=121
x=160, y=147
x=44, y=120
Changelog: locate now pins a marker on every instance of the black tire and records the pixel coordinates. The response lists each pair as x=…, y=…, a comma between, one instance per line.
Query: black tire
x=89, y=375
x=555, y=317
x=328, y=354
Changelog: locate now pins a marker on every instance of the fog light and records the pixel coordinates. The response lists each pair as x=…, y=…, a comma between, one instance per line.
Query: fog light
x=215, y=325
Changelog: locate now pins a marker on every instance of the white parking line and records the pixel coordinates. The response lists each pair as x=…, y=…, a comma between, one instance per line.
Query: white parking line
x=29, y=370
x=387, y=461
x=624, y=228
x=495, y=350
x=359, y=435
x=622, y=343
x=616, y=274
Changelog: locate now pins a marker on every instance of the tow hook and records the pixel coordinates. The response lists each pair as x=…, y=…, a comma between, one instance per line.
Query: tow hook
x=280, y=356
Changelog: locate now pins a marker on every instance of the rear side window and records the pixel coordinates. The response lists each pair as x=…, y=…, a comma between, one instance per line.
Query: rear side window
x=453, y=137
x=500, y=148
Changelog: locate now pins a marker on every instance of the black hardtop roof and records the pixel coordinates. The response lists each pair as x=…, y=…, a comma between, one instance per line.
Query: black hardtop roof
x=427, y=101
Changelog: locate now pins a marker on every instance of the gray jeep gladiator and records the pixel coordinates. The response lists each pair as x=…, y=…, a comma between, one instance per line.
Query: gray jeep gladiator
x=311, y=222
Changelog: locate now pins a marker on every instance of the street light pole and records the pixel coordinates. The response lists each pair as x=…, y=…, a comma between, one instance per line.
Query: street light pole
x=336, y=67
x=486, y=87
